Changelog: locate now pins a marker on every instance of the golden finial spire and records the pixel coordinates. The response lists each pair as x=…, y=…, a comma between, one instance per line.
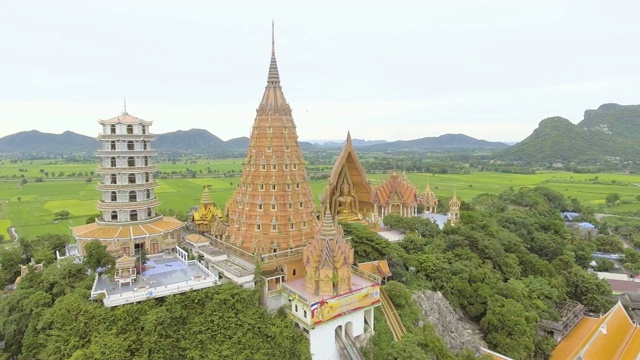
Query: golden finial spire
x=274, y=76
x=124, y=111
x=273, y=37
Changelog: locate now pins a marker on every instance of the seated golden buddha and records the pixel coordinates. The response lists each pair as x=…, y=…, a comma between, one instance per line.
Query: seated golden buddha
x=346, y=204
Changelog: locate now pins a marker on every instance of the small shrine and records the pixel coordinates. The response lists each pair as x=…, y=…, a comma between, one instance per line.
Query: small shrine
x=454, y=210
x=429, y=200
x=206, y=214
x=125, y=271
x=348, y=195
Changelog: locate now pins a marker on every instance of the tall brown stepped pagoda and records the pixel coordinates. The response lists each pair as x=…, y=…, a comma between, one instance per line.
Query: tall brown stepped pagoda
x=272, y=209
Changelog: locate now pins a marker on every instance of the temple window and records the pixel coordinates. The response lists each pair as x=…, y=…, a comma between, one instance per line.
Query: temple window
x=147, y=177
x=113, y=129
x=273, y=207
x=261, y=187
x=146, y=161
x=148, y=191
x=114, y=179
x=114, y=196
x=274, y=227
x=149, y=213
x=295, y=166
x=130, y=145
x=133, y=215
x=296, y=306
x=287, y=148
x=301, y=204
x=292, y=227
x=260, y=207
x=297, y=186
x=293, y=273
x=144, y=144
x=114, y=215
x=304, y=224
x=133, y=196
x=144, y=131
x=130, y=129
x=263, y=167
x=113, y=162
x=274, y=167
x=288, y=186
x=270, y=129
x=290, y=206
x=132, y=178
x=274, y=187
x=305, y=314
x=113, y=145
x=268, y=148
x=258, y=227
x=131, y=162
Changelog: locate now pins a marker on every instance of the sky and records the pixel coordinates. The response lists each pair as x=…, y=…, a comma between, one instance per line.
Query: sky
x=393, y=70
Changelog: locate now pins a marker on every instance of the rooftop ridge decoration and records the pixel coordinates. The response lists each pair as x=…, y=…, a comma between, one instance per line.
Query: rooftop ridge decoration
x=272, y=209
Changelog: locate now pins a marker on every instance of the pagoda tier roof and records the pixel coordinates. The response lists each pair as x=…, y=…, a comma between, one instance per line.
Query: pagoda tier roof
x=125, y=118
x=378, y=267
x=613, y=336
x=396, y=184
x=115, y=231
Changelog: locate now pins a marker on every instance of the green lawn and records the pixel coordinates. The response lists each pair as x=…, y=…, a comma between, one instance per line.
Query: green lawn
x=33, y=213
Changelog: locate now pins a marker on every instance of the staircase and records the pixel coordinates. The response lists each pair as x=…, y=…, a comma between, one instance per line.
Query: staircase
x=347, y=348
x=391, y=316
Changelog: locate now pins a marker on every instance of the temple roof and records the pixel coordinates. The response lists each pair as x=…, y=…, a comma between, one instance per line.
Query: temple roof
x=396, y=184
x=612, y=336
x=114, y=231
x=125, y=118
x=378, y=267
x=206, y=197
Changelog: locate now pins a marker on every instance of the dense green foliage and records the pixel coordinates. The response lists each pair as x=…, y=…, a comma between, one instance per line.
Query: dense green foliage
x=507, y=264
x=50, y=316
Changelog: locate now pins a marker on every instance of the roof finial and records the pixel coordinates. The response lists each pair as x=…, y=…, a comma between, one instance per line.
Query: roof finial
x=125, y=105
x=273, y=37
x=274, y=77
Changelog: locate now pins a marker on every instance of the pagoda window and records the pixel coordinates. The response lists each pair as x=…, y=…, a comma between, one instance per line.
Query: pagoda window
x=131, y=161
x=288, y=186
x=146, y=161
x=114, y=196
x=274, y=167
x=296, y=307
x=268, y=148
x=260, y=207
x=147, y=177
x=145, y=144
x=263, y=167
x=295, y=166
x=273, y=207
x=274, y=227
x=301, y=204
x=297, y=186
x=249, y=187
x=113, y=145
x=133, y=215
x=258, y=227
x=144, y=130
x=261, y=187
x=113, y=162
x=274, y=187
x=290, y=206
x=114, y=215
x=292, y=227
x=286, y=166
x=287, y=148
x=304, y=224
x=148, y=191
x=149, y=213
x=305, y=313
x=114, y=179
x=130, y=145
x=130, y=129
x=132, y=178
x=112, y=129
x=133, y=197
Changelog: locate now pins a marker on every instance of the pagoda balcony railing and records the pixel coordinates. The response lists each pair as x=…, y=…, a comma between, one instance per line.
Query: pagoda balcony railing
x=365, y=274
x=136, y=186
x=127, y=169
x=128, y=205
x=148, y=137
x=125, y=152
x=101, y=221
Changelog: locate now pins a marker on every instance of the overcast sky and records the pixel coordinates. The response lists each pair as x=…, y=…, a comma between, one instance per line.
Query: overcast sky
x=489, y=69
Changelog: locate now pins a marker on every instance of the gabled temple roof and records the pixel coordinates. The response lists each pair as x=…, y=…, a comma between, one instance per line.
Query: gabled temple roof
x=396, y=184
x=613, y=336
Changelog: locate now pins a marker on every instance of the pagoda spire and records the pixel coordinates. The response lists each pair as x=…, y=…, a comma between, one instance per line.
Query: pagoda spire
x=124, y=109
x=273, y=100
x=274, y=76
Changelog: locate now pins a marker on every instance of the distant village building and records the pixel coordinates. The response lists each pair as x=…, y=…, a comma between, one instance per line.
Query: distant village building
x=128, y=223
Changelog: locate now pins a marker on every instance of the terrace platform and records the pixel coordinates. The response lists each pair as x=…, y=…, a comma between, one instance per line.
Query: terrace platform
x=164, y=275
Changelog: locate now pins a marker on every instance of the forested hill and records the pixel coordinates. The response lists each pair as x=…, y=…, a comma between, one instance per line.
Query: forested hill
x=35, y=141
x=442, y=142
x=611, y=132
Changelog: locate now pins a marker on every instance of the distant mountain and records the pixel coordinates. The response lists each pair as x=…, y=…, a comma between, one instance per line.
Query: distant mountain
x=35, y=141
x=239, y=144
x=357, y=143
x=442, y=142
x=191, y=141
x=611, y=132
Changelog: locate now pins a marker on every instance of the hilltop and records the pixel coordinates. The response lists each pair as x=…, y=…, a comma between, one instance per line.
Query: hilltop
x=609, y=133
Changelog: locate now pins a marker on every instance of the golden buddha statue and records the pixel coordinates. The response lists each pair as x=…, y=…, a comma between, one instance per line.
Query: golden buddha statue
x=346, y=204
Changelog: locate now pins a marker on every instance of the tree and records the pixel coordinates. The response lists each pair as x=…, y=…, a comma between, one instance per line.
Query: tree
x=511, y=329
x=604, y=265
x=97, y=256
x=61, y=215
x=612, y=198
x=10, y=259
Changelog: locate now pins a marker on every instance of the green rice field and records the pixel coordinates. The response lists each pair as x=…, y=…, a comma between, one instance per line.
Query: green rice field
x=31, y=207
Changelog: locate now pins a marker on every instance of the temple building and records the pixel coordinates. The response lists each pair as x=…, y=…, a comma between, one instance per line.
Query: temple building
x=128, y=223
x=272, y=209
x=348, y=194
x=613, y=336
x=453, y=216
x=429, y=200
x=334, y=303
x=396, y=195
x=205, y=216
